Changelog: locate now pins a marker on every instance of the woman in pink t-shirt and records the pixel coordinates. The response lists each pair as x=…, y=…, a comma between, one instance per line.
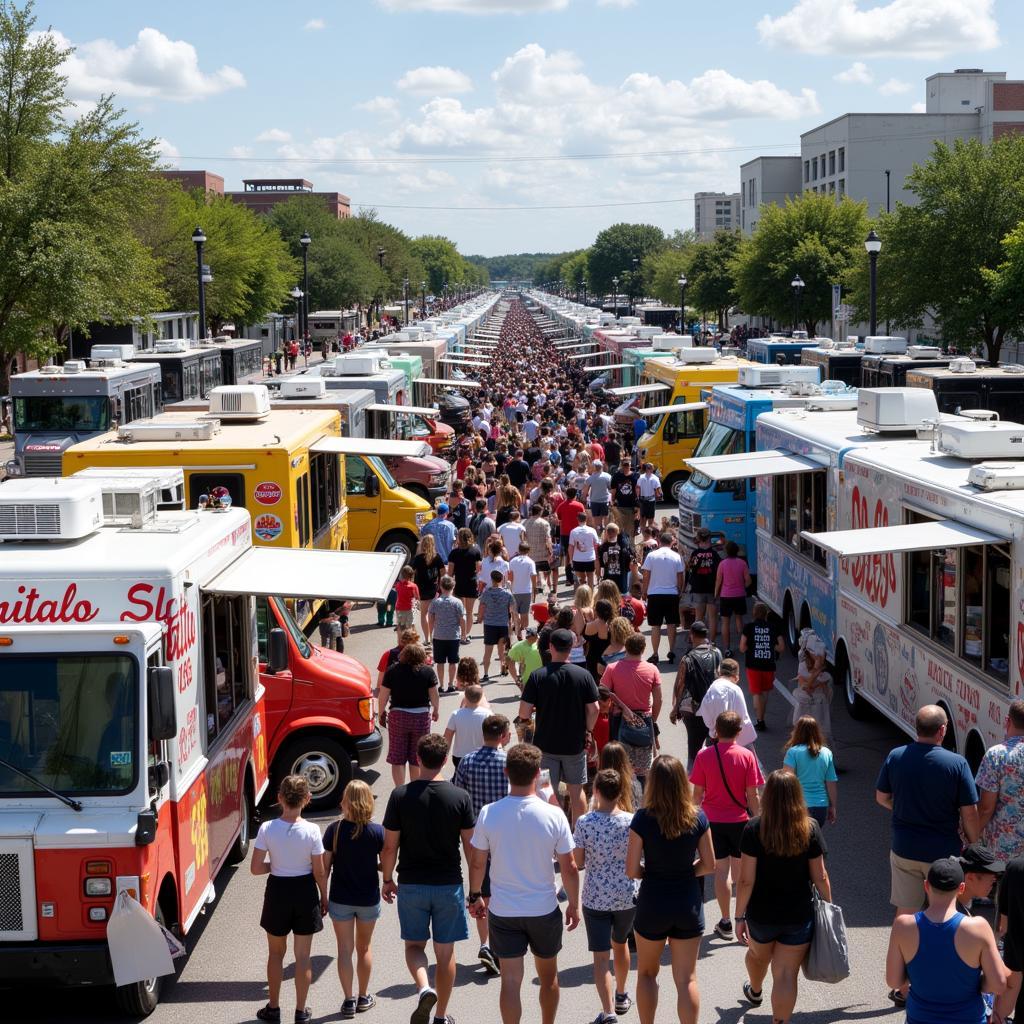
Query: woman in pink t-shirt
x=731, y=585
x=725, y=778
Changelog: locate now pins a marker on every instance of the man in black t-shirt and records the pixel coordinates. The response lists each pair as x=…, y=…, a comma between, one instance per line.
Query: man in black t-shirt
x=762, y=643
x=424, y=823
x=518, y=470
x=701, y=570
x=566, y=700
x=624, y=499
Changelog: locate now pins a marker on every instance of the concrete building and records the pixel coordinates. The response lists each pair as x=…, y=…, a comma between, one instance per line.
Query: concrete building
x=766, y=179
x=715, y=211
x=261, y=195
x=189, y=180
x=868, y=156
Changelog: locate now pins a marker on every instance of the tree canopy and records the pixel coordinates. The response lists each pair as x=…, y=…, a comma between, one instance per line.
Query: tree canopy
x=712, y=280
x=613, y=252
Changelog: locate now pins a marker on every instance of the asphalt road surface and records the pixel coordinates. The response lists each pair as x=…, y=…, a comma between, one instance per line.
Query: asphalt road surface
x=223, y=981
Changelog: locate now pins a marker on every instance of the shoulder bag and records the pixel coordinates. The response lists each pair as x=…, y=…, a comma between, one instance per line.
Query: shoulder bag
x=828, y=958
x=725, y=781
x=635, y=730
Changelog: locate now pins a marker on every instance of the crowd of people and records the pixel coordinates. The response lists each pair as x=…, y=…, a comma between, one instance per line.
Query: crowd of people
x=549, y=549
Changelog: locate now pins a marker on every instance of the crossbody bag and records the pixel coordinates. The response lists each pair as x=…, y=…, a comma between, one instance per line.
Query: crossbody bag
x=725, y=781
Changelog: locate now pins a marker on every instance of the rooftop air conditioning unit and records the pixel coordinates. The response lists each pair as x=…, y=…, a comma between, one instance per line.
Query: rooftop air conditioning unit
x=669, y=342
x=963, y=365
x=696, y=355
x=168, y=345
x=49, y=509
x=413, y=333
x=169, y=482
x=302, y=387
x=106, y=355
x=630, y=321
x=981, y=439
x=763, y=375
x=168, y=430
x=240, y=402
x=74, y=366
x=129, y=502
x=882, y=345
x=833, y=403
x=358, y=365
x=829, y=343
x=924, y=352
x=648, y=332
x=1011, y=368
x=799, y=336
x=895, y=409
x=997, y=476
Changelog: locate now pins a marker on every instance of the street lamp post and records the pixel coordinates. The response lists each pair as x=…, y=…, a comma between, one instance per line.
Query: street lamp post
x=200, y=240
x=304, y=242
x=297, y=294
x=615, y=283
x=873, y=244
x=797, y=285
x=632, y=286
x=584, y=293
x=423, y=299
x=405, y=295
x=682, y=303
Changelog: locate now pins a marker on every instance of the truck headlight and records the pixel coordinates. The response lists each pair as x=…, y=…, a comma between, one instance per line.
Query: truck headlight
x=12, y=468
x=439, y=479
x=422, y=518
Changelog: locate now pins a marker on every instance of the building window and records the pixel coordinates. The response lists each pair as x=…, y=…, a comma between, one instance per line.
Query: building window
x=842, y=159
x=814, y=168
x=807, y=170
x=842, y=186
x=832, y=162
x=831, y=188
x=823, y=165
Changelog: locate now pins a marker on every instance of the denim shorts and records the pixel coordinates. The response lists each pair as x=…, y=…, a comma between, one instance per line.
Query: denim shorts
x=437, y=911
x=783, y=934
x=347, y=912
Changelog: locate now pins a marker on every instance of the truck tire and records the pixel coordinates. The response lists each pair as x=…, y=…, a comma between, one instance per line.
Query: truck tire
x=857, y=707
x=674, y=485
x=142, y=998
x=325, y=764
x=398, y=542
x=790, y=626
x=240, y=849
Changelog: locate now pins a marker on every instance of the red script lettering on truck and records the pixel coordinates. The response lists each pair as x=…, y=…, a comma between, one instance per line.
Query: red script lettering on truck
x=873, y=575
x=29, y=608
x=175, y=614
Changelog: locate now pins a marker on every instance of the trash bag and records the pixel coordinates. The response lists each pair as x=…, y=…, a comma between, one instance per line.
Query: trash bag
x=138, y=948
x=828, y=958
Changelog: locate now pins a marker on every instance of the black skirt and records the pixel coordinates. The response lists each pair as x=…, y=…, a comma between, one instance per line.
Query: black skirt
x=291, y=905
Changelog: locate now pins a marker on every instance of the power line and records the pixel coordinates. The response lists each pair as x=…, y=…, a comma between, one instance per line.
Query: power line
x=518, y=209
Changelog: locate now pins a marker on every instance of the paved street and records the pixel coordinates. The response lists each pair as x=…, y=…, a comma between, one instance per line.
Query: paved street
x=222, y=980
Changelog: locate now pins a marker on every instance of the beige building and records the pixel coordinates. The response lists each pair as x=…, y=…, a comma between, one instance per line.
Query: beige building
x=715, y=211
x=766, y=179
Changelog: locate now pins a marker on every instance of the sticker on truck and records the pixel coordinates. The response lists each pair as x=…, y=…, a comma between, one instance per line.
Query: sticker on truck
x=268, y=493
x=267, y=526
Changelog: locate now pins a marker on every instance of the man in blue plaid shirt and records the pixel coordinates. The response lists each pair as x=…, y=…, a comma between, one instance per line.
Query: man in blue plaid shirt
x=482, y=774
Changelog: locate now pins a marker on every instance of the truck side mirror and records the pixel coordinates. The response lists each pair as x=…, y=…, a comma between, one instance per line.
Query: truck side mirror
x=372, y=485
x=160, y=701
x=277, y=649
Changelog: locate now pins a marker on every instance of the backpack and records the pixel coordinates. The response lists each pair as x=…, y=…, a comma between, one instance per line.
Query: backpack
x=702, y=667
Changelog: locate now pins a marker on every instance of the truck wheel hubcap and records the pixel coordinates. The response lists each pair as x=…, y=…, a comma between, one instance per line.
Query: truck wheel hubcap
x=319, y=770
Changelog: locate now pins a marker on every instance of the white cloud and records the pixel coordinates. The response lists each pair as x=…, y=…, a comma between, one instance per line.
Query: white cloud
x=315, y=25
x=615, y=3
x=434, y=81
x=274, y=135
x=918, y=108
x=894, y=87
x=169, y=154
x=476, y=6
x=532, y=75
x=903, y=28
x=240, y=152
x=383, y=106
x=154, y=66
x=858, y=73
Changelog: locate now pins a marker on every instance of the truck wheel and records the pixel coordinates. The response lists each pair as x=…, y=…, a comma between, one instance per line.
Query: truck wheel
x=398, y=543
x=791, y=626
x=142, y=998
x=857, y=707
x=240, y=850
x=324, y=763
x=675, y=484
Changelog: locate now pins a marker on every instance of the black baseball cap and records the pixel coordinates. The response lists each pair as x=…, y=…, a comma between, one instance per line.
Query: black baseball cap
x=946, y=875
x=562, y=639
x=981, y=860
x=699, y=628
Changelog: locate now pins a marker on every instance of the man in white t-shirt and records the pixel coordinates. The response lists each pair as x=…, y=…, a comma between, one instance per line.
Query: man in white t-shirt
x=583, y=545
x=663, y=573
x=597, y=491
x=724, y=694
x=512, y=533
x=524, y=835
x=522, y=572
x=465, y=729
x=648, y=487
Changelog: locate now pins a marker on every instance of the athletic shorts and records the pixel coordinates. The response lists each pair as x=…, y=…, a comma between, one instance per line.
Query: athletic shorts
x=663, y=609
x=583, y=566
x=732, y=606
x=694, y=600
x=607, y=926
x=494, y=634
x=725, y=837
x=523, y=602
x=348, y=912
x=432, y=911
x=760, y=680
x=469, y=589
x=511, y=937
x=599, y=508
x=291, y=905
x=446, y=652
x=568, y=768
x=670, y=910
x=543, y=565
x=907, y=889
x=783, y=934
x=648, y=507
x=404, y=731
x=564, y=539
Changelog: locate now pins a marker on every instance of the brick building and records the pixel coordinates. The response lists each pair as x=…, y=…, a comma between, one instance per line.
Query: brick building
x=261, y=195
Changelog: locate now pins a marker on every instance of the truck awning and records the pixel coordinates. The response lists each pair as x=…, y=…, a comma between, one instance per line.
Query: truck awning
x=604, y=353
x=463, y=362
x=658, y=410
x=385, y=447
x=742, y=466
x=600, y=367
x=291, y=572
x=637, y=389
x=439, y=382
x=574, y=344
x=883, y=540
x=411, y=410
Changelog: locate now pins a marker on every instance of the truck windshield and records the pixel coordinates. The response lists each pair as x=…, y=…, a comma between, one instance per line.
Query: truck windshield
x=69, y=720
x=385, y=473
x=719, y=439
x=265, y=623
x=62, y=412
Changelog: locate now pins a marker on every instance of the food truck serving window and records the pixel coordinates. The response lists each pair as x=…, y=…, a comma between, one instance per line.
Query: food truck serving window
x=326, y=475
x=799, y=500
x=69, y=720
x=226, y=650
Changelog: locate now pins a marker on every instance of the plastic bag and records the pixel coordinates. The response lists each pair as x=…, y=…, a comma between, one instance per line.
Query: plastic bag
x=828, y=958
x=138, y=948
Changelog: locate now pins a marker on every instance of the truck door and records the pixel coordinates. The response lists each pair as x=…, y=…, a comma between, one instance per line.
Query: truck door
x=362, y=489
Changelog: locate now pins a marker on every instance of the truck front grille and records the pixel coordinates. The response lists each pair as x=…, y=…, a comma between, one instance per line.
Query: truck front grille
x=11, y=919
x=43, y=465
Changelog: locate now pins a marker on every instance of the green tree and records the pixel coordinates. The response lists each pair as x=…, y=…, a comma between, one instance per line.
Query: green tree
x=69, y=193
x=661, y=272
x=952, y=255
x=614, y=250
x=400, y=261
x=574, y=272
x=712, y=282
x=441, y=261
x=812, y=236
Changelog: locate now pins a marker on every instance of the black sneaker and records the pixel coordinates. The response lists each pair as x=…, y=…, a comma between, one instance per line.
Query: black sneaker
x=364, y=1003
x=622, y=1002
x=303, y=1016
x=653, y=659
x=670, y=657
x=269, y=1013
x=485, y=678
x=489, y=960
x=425, y=1003
x=724, y=930
x=348, y=1009
x=760, y=725
x=754, y=998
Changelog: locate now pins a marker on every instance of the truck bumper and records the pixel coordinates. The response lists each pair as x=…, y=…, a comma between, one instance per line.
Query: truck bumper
x=368, y=748
x=44, y=963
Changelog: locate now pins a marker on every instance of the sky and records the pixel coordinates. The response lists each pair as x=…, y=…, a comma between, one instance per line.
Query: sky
x=513, y=125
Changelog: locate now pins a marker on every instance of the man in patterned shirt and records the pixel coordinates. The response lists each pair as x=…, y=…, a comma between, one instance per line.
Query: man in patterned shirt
x=1000, y=782
x=482, y=774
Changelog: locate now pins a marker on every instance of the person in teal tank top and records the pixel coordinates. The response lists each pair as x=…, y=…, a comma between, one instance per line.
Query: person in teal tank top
x=947, y=959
